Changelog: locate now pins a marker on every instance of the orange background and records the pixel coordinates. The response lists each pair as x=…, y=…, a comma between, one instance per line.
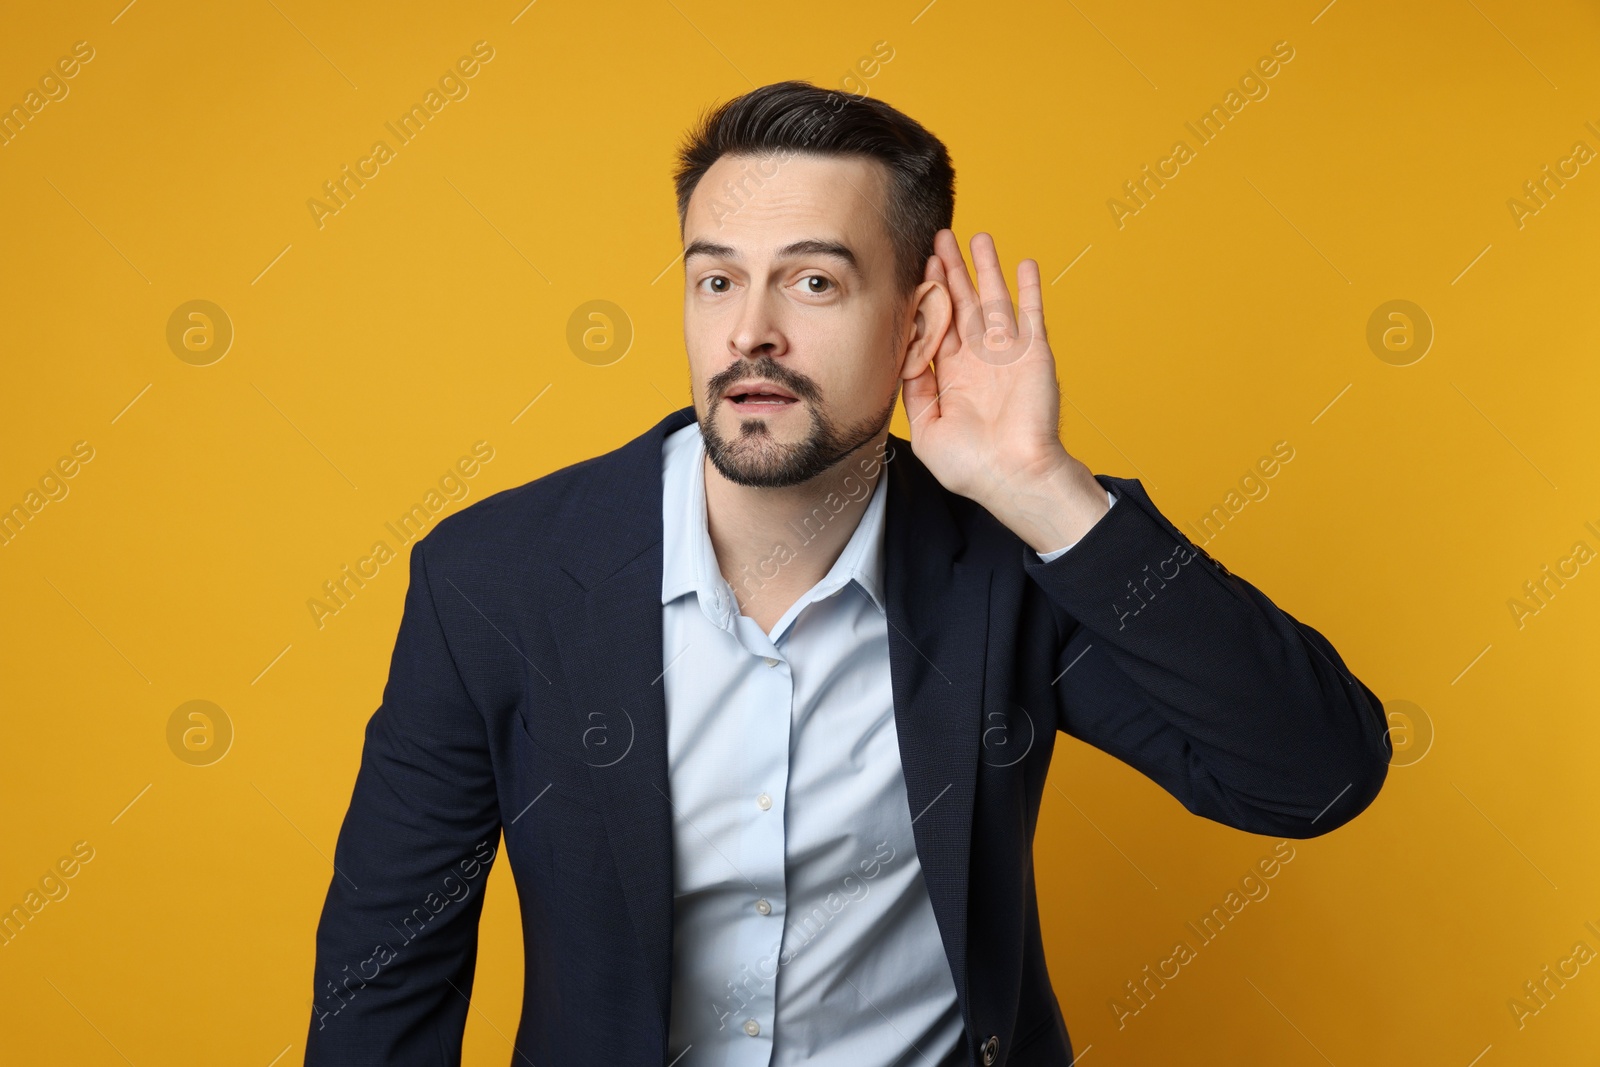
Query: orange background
x=431, y=312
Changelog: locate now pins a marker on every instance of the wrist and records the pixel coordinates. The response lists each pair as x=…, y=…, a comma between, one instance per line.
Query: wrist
x=1051, y=505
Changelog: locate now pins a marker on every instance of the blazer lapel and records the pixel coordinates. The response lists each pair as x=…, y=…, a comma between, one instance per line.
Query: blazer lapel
x=610, y=645
x=938, y=608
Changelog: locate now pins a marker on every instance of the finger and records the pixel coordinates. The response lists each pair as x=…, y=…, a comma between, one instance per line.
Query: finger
x=992, y=289
x=1030, y=298
x=921, y=395
x=962, y=295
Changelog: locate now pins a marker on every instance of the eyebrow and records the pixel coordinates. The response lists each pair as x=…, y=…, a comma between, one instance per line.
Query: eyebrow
x=807, y=247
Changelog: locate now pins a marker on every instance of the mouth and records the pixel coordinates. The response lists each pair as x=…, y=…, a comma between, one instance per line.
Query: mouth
x=760, y=396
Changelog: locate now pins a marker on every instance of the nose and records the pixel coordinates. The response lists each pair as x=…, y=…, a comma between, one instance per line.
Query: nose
x=757, y=331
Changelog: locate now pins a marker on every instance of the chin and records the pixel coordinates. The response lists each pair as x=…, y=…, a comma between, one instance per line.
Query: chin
x=761, y=462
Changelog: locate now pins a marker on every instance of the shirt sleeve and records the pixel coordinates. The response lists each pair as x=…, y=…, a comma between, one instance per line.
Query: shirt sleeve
x=1111, y=501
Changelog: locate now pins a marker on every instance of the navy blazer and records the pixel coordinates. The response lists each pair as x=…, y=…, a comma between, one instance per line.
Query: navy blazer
x=524, y=698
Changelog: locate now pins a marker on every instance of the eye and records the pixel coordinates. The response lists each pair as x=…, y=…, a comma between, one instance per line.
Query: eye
x=716, y=278
x=827, y=284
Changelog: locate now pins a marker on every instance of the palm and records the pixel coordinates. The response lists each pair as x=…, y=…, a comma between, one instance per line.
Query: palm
x=988, y=407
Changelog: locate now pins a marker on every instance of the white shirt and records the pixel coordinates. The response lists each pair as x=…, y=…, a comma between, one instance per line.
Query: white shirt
x=803, y=931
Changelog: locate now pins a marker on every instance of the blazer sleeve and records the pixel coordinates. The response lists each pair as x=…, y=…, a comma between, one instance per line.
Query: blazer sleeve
x=1190, y=674
x=397, y=942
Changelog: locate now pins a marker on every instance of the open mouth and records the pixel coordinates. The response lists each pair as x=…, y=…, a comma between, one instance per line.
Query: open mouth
x=760, y=396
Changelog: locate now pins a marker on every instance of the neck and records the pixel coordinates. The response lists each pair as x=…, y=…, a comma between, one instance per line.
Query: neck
x=774, y=544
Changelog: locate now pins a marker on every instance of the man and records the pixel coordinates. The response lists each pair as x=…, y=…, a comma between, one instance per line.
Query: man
x=763, y=701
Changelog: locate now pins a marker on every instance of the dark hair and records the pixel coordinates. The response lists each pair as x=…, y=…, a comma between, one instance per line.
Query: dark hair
x=797, y=117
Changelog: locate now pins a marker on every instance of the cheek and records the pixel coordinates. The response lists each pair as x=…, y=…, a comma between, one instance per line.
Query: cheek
x=699, y=344
x=874, y=365
x=838, y=367
x=861, y=359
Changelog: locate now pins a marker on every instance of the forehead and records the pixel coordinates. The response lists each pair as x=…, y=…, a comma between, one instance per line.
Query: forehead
x=775, y=199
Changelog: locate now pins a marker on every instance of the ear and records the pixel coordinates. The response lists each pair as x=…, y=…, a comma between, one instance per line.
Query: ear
x=932, y=313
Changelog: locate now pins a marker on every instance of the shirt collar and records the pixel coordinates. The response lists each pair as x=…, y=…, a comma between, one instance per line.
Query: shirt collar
x=689, y=563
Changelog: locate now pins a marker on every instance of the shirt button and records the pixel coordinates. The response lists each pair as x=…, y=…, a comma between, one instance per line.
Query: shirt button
x=763, y=907
x=764, y=802
x=771, y=662
x=752, y=1027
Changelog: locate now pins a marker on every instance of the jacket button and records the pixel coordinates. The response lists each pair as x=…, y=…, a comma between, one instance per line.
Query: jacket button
x=991, y=1051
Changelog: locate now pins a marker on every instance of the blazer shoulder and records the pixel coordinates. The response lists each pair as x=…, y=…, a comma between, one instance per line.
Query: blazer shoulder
x=505, y=512
x=568, y=513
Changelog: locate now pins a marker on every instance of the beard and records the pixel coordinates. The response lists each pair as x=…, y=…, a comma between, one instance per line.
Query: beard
x=755, y=458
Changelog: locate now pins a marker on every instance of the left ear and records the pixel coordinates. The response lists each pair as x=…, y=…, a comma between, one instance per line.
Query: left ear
x=930, y=322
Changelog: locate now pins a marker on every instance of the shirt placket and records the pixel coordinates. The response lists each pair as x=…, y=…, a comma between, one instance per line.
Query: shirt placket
x=764, y=723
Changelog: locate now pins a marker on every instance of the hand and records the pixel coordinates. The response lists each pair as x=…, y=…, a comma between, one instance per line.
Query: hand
x=985, y=413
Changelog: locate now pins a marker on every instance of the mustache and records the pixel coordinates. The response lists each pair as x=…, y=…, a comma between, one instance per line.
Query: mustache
x=772, y=371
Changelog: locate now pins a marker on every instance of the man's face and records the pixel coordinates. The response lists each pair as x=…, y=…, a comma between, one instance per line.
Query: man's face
x=790, y=315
